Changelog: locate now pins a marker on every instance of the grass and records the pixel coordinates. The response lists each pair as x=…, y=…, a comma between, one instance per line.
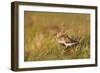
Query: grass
x=40, y=43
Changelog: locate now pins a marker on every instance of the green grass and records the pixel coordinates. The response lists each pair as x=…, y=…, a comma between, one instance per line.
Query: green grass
x=40, y=43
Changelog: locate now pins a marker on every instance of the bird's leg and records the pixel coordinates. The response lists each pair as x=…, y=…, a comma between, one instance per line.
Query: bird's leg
x=62, y=52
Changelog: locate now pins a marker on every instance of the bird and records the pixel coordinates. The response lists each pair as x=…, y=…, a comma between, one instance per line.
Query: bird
x=65, y=40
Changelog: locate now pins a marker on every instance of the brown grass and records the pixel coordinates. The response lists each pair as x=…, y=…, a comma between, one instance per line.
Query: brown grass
x=40, y=43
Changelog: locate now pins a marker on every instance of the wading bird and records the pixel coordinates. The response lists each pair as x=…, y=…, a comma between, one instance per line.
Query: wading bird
x=65, y=40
